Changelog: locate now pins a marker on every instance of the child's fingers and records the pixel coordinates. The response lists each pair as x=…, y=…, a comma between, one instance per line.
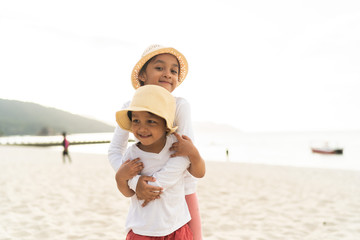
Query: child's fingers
x=150, y=196
x=145, y=203
x=148, y=187
x=153, y=191
x=178, y=154
x=186, y=137
x=137, y=164
x=174, y=146
x=139, y=168
x=135, y=160
x=136, y=171
x=141, y=165
x=177, y=136
x=148, y=178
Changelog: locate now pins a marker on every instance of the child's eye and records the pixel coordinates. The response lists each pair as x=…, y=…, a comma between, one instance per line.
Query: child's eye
x=135, y=121
x=151, y=121
x=159, y=68
x=174, y=71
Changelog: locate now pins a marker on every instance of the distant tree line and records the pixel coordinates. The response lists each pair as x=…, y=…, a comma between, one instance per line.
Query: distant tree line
x=25, y=118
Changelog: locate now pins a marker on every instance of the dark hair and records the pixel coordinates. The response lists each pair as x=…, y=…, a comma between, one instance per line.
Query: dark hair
x=129, y=114
x=143, y=69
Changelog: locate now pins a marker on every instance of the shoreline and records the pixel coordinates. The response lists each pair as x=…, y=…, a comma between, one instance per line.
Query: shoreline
x=93, y=149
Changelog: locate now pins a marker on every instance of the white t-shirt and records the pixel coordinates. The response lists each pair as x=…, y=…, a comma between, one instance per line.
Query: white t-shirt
x=183, y=120
x=170, y=212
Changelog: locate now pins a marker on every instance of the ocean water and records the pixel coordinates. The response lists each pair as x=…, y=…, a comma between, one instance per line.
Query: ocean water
x=289, y=149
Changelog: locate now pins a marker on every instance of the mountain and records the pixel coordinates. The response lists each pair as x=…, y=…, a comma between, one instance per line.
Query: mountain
x=25, y=118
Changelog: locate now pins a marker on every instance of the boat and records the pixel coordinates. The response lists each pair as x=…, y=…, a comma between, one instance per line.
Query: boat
x=327, y=150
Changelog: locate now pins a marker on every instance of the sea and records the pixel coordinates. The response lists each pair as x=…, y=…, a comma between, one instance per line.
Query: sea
x=270, y=148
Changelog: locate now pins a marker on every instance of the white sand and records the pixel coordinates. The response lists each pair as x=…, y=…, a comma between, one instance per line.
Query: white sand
x=42, y=198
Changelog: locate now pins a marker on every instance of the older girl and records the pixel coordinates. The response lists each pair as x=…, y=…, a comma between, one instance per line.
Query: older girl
x=165, y=67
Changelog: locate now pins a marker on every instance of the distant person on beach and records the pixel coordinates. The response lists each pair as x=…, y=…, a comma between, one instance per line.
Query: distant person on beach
x=65, y=144
x=165, y=67
x=150, y=117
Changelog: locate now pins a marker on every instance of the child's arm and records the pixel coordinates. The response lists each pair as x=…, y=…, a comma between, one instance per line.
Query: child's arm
x=127, y=170
x=123, y=187
x=183, y=118
x=170, y=174
x=143, y=190
x=165, y=178
x=185, y=147
x=118, y=145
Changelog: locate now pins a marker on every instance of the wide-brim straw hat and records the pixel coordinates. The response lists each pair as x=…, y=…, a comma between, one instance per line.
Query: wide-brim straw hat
x=152, y=51
x=150, y=98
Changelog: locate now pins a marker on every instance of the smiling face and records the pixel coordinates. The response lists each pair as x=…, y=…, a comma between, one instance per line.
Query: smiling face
x=162, y=70
x=150, y=129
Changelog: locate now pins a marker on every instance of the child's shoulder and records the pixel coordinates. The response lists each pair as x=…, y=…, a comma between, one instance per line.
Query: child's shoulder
x=170, y=139
x=182, y=106
x=181, y=101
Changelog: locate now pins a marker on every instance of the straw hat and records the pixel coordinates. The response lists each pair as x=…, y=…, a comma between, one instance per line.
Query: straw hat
x=150, y=98
x=152, y=51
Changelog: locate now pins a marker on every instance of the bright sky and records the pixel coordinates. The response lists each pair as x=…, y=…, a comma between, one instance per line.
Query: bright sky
x=256, y=65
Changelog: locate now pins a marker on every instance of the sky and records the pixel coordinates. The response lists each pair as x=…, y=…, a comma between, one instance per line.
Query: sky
x=255, y=65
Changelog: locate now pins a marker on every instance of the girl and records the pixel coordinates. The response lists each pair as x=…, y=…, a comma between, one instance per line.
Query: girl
x=150, y=118
x=165, y=67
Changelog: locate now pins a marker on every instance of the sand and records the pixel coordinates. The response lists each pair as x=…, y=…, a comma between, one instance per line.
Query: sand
x=42, y=198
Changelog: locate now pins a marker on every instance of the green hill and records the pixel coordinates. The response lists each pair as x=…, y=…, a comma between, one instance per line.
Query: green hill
x=25, y=118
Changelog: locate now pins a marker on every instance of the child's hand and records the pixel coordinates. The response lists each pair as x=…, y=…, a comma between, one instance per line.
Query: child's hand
x=183, y=147
x=129, y=169
x=147, y=192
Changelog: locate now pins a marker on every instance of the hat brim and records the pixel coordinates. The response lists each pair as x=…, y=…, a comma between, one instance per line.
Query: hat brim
x=180, y=57
x=124, y=122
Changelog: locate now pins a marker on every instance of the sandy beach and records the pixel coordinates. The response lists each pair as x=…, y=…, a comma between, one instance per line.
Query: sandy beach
x=42, y=198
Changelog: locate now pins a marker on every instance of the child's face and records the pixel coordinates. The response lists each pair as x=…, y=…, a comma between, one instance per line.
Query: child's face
x=150, y=129
x=163, y=71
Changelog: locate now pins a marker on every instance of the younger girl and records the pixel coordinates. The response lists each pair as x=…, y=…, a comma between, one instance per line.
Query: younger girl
x=150, y=118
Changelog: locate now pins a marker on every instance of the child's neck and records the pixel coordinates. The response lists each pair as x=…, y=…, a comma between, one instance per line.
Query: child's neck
x=155, y=147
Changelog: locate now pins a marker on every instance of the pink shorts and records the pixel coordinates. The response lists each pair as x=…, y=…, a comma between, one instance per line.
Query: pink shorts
x=183, y=233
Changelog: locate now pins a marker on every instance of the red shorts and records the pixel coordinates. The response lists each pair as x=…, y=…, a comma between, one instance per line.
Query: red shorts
x=183, y=233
